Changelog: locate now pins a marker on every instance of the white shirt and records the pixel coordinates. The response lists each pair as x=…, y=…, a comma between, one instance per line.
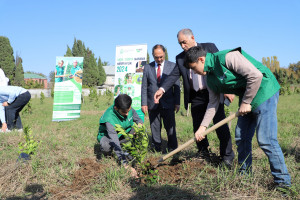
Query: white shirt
x=3, y=79
x=201, y=82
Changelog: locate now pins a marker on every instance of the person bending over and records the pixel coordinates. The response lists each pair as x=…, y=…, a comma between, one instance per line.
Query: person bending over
x=12, y=101
x=233, y=71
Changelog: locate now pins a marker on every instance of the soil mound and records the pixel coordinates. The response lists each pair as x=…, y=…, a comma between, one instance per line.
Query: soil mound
x=173, y=172
x=82, y=178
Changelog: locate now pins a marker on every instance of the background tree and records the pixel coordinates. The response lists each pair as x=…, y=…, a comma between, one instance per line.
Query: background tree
x=93, y=72
x=273, y=64
x=78, y=49
x=166, y=54
x=288, y=78
x=7, y=61
x=294, y=68
x=105, y=63
x=18, y=78
x=102, y=75
x=148, y=58
x=90, y=68
x=52, y=77
x=69, y=52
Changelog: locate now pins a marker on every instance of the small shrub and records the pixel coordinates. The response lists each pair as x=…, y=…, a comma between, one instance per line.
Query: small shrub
x=93, y=96
x=108, y=92
x=42, y=98
x=30, y=145
x=288, y=90
x=28, y=108
x=151, y=175
x=137, y=144
x=282, y=91
x=52, y=92
x=110, y=96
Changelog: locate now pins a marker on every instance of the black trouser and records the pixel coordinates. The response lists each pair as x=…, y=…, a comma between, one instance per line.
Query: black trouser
x=168, y=116
x=198, y=111
x=12, y=111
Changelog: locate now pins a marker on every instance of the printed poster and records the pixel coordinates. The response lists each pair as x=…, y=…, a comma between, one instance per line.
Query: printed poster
x=130, y=62
x=67, y=88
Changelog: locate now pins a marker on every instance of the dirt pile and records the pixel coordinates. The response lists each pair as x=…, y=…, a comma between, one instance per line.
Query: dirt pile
x=82, y=179
x=175, y=171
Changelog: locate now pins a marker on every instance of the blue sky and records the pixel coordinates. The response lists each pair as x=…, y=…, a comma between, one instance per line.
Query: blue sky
x=41, y=30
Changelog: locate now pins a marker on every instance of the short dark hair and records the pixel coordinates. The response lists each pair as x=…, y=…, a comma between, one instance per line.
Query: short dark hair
x=123, y=102
x=192, y=55
x=158, y=46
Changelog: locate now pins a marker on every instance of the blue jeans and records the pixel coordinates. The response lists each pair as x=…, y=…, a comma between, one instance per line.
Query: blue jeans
x=264, y=120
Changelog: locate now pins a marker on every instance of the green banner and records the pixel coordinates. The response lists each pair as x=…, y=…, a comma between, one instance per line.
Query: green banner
x=130, y=61
x=67, y=88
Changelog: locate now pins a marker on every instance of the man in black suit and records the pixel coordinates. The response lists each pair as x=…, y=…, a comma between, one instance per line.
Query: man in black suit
x=196, y=93
x=154, y=76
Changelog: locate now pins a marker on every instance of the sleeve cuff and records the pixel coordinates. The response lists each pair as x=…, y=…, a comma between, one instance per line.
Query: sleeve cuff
x=162, y=89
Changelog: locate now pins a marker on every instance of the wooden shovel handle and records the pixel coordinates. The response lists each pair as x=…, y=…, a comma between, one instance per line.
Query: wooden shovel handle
x=188, y=143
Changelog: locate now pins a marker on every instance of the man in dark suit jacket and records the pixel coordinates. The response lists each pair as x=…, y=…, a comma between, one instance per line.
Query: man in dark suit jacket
x=154, y=76
x=200, y=99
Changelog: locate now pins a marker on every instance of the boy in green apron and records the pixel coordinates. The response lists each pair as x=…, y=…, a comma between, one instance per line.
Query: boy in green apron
x=119, y=113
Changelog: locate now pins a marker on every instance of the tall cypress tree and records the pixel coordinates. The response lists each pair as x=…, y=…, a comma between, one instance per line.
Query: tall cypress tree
x=81, y=49
x=7, y=61
x=148, y=58
x=102, y=74
x=78, y=49
x=93, y=72
x=51, y=76
x=90, y=69
x=166, y=54
x=18, y=78
x=69, y=52
x=75, y=50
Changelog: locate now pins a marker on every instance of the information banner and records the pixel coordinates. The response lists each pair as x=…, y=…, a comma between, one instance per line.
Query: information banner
x=130, y=62
x=67, y=88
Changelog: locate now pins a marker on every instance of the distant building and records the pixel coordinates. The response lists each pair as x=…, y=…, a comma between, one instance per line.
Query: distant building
x=110, y=78
x=36, y=78
x=110, y=75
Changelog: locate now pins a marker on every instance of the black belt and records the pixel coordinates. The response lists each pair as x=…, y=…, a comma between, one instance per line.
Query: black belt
x=201, y=91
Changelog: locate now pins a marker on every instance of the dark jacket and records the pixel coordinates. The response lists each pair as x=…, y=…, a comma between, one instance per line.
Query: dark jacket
x=179, y=69
x=150, y=86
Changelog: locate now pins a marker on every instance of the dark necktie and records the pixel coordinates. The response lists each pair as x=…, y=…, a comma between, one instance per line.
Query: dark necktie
x=158, y=73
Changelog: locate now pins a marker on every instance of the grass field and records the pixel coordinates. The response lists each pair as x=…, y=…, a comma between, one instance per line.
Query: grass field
x=67, y=164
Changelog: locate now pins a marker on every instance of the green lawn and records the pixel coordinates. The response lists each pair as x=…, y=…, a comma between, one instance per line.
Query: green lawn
x=68, y=150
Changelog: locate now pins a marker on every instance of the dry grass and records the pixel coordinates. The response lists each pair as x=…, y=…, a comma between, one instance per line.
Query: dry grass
x=66, y=167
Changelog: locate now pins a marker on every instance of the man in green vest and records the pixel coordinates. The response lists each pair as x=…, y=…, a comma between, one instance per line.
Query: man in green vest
x=120, y=113
x=74, y=69
x=59, y=72
x=236, y=72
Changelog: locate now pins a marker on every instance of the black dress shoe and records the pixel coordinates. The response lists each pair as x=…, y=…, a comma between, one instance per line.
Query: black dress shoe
x=227, y=163
x=155, y=149
x=170, y=149
x=204, y=154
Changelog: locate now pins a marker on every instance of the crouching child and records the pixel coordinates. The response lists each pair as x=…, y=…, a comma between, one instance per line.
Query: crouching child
x=122, y=114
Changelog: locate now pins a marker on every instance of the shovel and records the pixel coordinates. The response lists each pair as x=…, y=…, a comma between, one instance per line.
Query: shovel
x=188, y=143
